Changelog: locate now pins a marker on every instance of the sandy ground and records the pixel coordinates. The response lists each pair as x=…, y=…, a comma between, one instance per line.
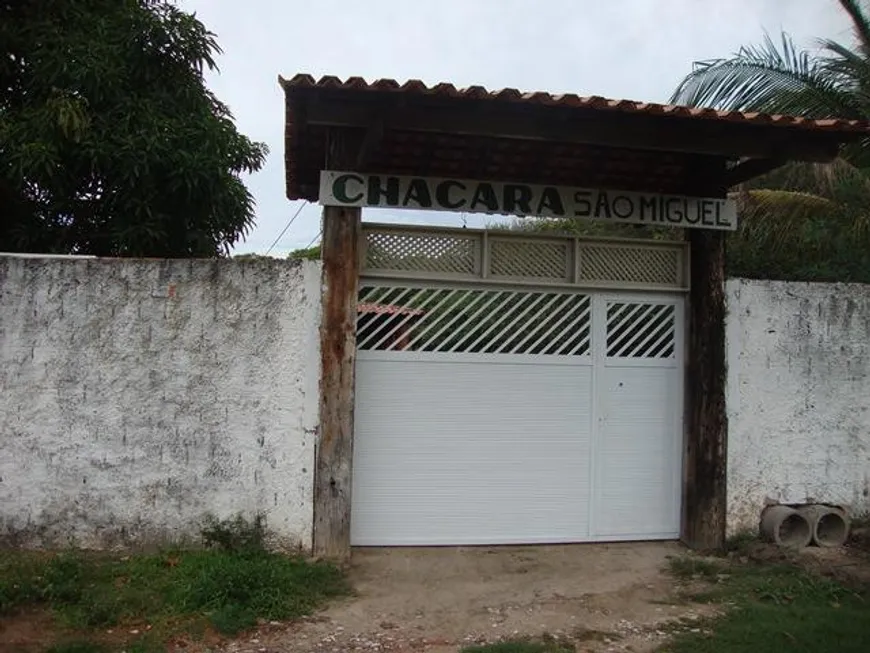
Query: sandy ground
x=610, y=597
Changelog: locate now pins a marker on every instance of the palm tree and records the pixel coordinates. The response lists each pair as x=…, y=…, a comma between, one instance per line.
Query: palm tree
x=803, y=212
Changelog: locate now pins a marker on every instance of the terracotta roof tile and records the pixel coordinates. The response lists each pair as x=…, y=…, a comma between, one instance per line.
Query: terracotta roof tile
x=540, y=160
x=570, y=100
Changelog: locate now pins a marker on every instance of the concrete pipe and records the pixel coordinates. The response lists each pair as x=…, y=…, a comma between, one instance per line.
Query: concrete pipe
x=785, y=526
x=829, y=524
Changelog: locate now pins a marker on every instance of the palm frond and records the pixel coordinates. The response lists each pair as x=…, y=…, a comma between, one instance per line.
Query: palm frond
x=775, y=220
x=850, y=71
x=860, y=228
x=766, y=78
x=860, y=23
x=823, y=179
x=786, y=203
x=850, y=67
x=837, y=192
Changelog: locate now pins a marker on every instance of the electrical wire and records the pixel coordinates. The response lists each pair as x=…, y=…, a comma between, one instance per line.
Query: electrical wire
x=286, y=227
x=319, y=234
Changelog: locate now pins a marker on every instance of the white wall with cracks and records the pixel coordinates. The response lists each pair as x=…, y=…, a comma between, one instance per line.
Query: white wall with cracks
x=137, y=396
x=798, y=396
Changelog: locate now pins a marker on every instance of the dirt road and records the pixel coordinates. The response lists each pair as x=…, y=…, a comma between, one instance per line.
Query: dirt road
x=611, y=597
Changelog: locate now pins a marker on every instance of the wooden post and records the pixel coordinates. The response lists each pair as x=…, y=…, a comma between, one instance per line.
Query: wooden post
x=704, y=490
x=334, y=450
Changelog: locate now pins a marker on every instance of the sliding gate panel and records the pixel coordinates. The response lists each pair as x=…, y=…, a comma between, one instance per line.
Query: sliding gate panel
x=473, y=416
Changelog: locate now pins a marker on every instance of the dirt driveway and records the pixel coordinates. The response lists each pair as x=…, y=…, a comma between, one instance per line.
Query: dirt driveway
x=603, y=597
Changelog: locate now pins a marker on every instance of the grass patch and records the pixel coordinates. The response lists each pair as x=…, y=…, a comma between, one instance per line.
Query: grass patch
x=741, y=543
x=78, y=647
x=232, y=589
x=775, y=608
x=226, y=588
x=691, y=567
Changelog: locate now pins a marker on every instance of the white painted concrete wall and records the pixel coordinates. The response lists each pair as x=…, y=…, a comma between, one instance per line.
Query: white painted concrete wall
x=136, y=396
x=798, y=396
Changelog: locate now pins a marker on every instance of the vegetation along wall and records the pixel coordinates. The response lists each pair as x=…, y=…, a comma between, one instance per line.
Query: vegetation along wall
x=798, y=396
x=139, y=396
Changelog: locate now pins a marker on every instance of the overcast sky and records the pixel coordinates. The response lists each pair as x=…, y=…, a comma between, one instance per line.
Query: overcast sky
x=634, y=49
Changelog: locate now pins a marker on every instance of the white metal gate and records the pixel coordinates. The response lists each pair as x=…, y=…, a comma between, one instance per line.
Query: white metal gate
x=496, y=414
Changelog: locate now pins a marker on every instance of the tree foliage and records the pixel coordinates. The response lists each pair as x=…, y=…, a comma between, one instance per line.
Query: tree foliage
x=815, y=237
x=110, y=142
x=308, y=253
x=804, y=221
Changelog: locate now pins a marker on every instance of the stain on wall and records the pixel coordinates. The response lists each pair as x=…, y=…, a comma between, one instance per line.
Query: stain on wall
x=137, y=396
x=798, y=396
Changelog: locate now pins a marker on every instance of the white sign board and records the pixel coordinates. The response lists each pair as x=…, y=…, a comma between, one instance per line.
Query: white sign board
x=427, y=193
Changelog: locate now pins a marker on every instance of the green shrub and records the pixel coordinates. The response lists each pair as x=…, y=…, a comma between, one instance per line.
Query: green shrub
x=235, y=534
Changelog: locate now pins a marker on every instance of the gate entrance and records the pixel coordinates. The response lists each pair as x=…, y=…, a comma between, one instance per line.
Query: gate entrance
x=502, y=413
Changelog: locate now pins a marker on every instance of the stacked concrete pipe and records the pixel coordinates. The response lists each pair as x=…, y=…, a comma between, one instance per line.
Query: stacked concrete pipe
x=829, y=524
x=786, y=526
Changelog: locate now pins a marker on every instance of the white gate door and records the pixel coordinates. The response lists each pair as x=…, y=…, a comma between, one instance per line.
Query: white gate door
x=498, y=416
x=639, y=402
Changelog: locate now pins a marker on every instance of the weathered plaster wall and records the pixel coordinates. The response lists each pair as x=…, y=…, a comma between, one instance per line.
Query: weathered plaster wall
x=798, y=396
x=136, y=396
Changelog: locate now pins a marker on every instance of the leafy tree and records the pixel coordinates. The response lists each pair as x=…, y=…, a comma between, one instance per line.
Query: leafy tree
x=804, y=221
x=110, y=142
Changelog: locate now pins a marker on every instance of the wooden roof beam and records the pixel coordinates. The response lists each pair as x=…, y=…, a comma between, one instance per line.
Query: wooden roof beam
x=557, y=124
x=749, y=169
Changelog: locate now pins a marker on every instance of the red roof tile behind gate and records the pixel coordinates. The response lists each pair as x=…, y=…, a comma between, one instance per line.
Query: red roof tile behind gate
x=370, y=115
x=416, y=86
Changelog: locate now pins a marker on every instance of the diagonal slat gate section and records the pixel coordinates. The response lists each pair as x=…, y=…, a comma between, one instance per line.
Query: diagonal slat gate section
x=479, y=320
x=641, y=330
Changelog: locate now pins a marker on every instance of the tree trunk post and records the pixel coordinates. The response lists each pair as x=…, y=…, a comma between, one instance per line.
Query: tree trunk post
x=334, y=449
x=704, y=489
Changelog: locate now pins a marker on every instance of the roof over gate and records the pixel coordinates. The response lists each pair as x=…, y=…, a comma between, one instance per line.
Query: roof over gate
x=591, y=142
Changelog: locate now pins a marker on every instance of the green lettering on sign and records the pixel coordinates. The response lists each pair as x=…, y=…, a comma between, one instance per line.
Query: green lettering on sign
x=517, y=199
x=582, y=204
x=648, y=209
x=418, y=191
x=484, y=195
x=442, y=194
x=602, y=206
x=551, y=201
x=390, y=191
x=339, y=188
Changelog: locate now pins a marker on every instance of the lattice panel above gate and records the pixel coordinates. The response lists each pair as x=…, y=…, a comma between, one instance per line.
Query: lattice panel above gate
x=641, y=330
x=521, y=258
x=630, y=264
x=483, y=321
x=444, y=253
x=536, y=259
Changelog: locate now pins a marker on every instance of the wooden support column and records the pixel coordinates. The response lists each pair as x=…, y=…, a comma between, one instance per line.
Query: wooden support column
x=704, y=490
x=334, y=450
